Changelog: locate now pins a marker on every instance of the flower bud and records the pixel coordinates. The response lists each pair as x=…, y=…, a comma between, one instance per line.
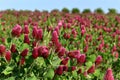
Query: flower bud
x=73, y=68
x=24, y=52
x=61, y=52
x=13, y=48
x=35, y=53
x=55, y=37
x=65, y=68
x=39, y=34
x=65, y=61
x=22, y=61
x=26, y=39
x=59, y=70
x=43, y=51
x=81, y=59
x=34, y=32
x=2, y=49
x=34, y=43
x=26, y=29
x=109, y=75
x=98, y=60
x=8, y=56
x=16, y=31
x=91, y=69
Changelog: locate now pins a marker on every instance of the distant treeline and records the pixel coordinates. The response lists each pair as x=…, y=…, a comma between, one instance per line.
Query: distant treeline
x=74, y=10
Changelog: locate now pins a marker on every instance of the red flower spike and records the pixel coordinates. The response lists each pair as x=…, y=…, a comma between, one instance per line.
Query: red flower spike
x=73, y=68
x=16, y=31
x=26, y=29
x=61, y=51
x=65, y=61
x=24, y=52
x=59, y=70
x=65, y=68
x=98, y=60
x=81, y=59
x=74, y=32
x=43, y=51
x=26, y=39
x=55, y=37
x=35, y=53
x=114, y=48
x=85, y=49
x=34, y=32
x=8, y=56
x=13, y=48
x=82, y=32
x=2, y=49
x=39, y=34
x=109, y=75
x=22, y=61
x=34, y=43
x=91, y=69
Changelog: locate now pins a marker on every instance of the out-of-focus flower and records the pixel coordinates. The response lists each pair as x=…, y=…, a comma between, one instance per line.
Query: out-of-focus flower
x=109, y=75
x=16, y=31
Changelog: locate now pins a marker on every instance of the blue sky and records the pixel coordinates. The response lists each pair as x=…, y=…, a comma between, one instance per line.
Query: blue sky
x=59, y=4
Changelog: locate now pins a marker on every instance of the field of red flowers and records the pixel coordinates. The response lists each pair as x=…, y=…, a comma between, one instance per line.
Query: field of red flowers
x=59, y=46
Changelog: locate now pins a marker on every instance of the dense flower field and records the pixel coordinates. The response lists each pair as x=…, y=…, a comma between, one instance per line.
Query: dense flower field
x=59, y=46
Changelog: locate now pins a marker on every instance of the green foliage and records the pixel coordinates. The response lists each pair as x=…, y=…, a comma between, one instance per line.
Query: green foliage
x=54, y=10
x=112, y=11
x=75, y=10
x=86, y=11
x=65, y=10
x=99, y=10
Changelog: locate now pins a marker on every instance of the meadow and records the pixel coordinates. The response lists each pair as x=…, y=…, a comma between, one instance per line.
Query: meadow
x=59, y=45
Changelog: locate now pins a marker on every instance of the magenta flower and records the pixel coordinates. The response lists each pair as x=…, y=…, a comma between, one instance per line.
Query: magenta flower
x=2, y=49
x=60, y=24
x=43, y=51
x=98, y=60
x=34, y=32
x=8, y=56
x=24, y=52
x=66, y=35
x=114, y=48
x=35, y=53
x=22, y=61
x=34, y=43
x=16, y=31
x=61, y=52
x=81, y=59
x=73, y=68
x=109, y=75
x=59, y=70
x=55, y=37
x=85, y=49
x=83, y=32
x=65, y=68
x=13, y=48
x=74, y=32
x=26, y=29
x=91, y=69
x=57, y=30
x=65, y=61
x=26, y=39
x=39, y=34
